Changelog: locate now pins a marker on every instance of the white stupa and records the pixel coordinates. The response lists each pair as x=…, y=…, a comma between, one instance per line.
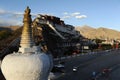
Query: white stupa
x=29, y=63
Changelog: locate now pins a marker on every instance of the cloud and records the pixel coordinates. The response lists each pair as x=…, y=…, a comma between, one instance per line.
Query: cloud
x=17, y=14
x=65, y=13
x=10, y=13
x=2, y=11
x=34, y=15
x=75, y=15
x=66, y=17
x=14, y=14
x=15, y=18
x=8, y=18
x=81, y=16
x=9, y=22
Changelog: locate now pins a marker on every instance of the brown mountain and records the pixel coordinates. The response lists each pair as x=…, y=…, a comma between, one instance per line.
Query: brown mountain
x=9, y=28
x=101, y=33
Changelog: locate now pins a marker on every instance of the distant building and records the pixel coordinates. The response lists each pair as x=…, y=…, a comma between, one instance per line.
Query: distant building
x=108, y=41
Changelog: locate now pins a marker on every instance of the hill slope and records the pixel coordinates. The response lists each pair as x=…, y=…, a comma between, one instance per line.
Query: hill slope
x=9, y=28
x=101, y=33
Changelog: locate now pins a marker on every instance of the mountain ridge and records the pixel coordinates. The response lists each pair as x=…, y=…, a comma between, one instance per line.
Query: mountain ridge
x=100, y=33
x=9, y=28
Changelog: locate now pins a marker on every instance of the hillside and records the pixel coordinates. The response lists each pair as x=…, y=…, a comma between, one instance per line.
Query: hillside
x=9, y=28
x=101, y=33
x=12, y=35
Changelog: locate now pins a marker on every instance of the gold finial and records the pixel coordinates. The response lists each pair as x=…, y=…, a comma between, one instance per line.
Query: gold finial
x=27, y=16
x=27, y=11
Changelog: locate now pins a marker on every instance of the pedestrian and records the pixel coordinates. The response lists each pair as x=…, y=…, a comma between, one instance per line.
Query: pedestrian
x=93, y=75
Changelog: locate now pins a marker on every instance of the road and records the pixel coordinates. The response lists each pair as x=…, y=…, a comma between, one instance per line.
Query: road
x=88, y=63
x=115, y=74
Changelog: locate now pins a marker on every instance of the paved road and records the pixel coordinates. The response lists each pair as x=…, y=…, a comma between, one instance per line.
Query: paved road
x=112, y=75
x=115, y=75
x=89, y=63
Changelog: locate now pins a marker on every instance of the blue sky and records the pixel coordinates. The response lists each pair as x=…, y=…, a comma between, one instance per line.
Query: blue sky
x=95, y=13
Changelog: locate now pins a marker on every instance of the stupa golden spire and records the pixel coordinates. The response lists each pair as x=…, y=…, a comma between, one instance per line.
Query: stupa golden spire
x=26, y=38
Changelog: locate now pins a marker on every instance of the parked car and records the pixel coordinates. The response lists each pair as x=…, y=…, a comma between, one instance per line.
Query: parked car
x=58, y=68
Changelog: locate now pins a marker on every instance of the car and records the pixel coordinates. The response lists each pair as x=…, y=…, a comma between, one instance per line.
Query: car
x=58, y=68
x=106, y=72
x=75, y=69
